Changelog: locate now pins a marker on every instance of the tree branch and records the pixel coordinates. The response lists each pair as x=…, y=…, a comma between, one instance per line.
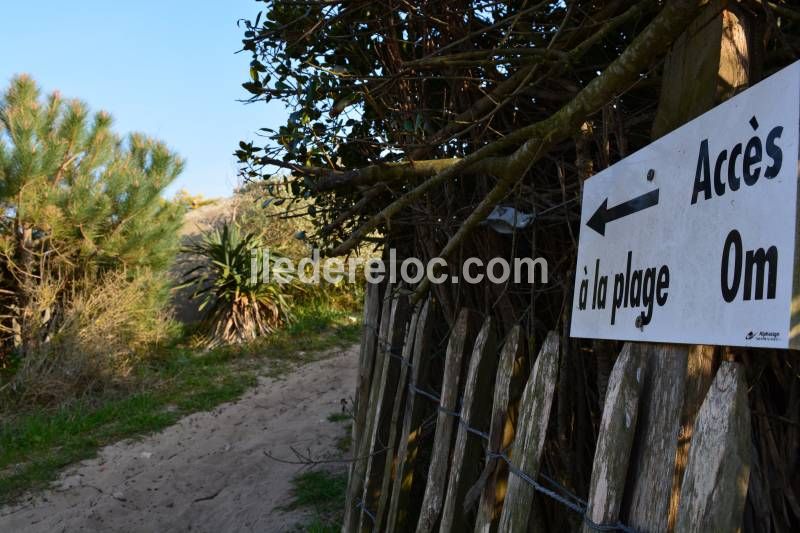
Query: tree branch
x=384, y=172
x=652, y=42
x=417, y=168
x=537, y=138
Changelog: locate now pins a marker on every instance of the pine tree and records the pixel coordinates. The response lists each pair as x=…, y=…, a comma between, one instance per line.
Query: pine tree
x=77, y=200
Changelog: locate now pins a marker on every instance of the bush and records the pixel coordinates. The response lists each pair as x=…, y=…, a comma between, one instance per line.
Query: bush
x=238, y=304
x=278, y=229
x=84, y=234
x=191, y=201
x=282, y=229
x=104, y=330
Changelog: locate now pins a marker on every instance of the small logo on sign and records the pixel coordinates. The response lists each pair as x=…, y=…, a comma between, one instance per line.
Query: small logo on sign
x=763, y=336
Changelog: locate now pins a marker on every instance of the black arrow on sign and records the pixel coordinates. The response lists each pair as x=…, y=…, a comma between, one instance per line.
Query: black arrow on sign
x=604, y=215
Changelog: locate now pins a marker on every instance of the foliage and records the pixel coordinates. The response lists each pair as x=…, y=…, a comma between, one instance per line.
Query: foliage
x=191, y=201
x=256, y=225
x=105, y=329
x=82, y=211
x=239, y=303
x=377, y=90
x=413, y=120
x=71, y=185
x=377, y=83
x=323, y=491
x=339, y=417
x=279, y=231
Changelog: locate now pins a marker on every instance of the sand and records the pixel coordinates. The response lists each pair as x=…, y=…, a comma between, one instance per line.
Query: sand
x=208, y=472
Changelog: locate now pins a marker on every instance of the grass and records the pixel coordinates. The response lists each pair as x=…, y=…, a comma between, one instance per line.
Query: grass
x=36, y=443
x=346, y=441
x=339, y=417
x=324, y=492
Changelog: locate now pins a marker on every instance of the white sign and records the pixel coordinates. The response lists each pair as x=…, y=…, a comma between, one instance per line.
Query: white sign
x=693, y=238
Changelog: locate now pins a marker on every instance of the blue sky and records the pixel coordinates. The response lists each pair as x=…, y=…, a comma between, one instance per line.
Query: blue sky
x=166, y=68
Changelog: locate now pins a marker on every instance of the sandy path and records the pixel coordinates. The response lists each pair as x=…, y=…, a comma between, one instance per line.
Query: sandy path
x=206, y=473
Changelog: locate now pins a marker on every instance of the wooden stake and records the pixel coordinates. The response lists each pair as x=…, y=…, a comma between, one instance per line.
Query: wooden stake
x=401, y=395
x=415, y=409
x=468, y=448
x=363, y=429
x=529, y=440
x=366, y=360
x=462, y=338
x=494, y=472
x=653, y=457
x=384, y=384
x=615, y=440
x=714, y=487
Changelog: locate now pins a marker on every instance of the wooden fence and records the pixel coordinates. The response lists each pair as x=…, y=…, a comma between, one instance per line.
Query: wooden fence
x=489, y=423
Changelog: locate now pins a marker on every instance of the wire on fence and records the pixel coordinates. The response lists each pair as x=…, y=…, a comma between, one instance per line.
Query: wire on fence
x=566, y=498
x=360, y=505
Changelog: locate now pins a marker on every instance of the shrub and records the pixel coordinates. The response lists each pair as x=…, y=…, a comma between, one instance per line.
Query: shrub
x=106, y=327
x=277, y=228
x=229, y=281
x=191, y=201
x=82, y=219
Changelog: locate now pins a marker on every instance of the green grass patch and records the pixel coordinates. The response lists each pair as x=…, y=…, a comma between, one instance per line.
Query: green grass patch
x=324, y=492
x=36, y=442
x=339, y=417
x=35, y=445
x=346, y=441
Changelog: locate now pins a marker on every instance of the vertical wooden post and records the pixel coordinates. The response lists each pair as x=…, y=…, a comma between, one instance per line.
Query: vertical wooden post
x=615, y=438
x=414, y=411
x=702, y=360
x=401, y=393
x=358, y=468
x=381, y=398
x=534, y=416
x=499, y=438
x=653, y=457
x=706, y=65
x=462, y=338
x=366, y=360
x=468, y=448
x=714, y=487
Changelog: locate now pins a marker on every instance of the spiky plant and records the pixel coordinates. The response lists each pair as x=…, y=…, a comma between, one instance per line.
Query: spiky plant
x=239, y=304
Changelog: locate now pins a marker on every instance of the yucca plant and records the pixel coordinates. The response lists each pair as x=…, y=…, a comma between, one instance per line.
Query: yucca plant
x=229, y=282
